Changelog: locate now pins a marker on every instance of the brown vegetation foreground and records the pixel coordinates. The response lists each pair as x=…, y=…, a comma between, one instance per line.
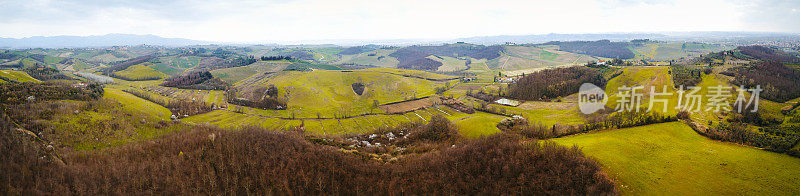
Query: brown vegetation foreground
x=207, y=160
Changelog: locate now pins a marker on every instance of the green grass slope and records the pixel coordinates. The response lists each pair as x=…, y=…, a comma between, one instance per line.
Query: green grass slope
x=236, y=74
x=134, y=105
x=18, y=76
x=671, y=159
x=529, y=57
x=140, y=72
x=330, y=92
x=449, y=64
x=668, y=51
x=379, y=57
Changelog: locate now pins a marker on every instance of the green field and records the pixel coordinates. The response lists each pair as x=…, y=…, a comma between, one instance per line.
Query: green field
x=406, y=72
x=648, y=78
x=235, y=74
x=140, y=72
x=329, y=93
x=671, y=159
x=470, y=125
x=134, y=105
x=379, y=57
x=449, y=64
x=529, y=57
x=668, y=51
x=18, y=76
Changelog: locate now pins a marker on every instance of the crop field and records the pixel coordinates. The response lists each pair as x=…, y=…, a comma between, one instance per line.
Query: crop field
x=140, y=72
x=18, y=76
x=670, y=158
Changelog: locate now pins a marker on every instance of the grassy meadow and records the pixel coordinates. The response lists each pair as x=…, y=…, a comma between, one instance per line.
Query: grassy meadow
x=17, y=76
x=140, y=72
x=671, y=159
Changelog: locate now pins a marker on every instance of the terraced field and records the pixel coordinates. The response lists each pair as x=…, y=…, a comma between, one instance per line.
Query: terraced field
x=670, y=158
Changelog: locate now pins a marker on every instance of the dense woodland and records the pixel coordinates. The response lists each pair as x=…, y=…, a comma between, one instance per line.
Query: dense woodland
x=17, y=93
x=45, y=73
x=774, y=137
x=196, y=80
x=264, y=98
x=178, y=107
x=687, y=75
x=461, y=50
x=780, y=83
x=199, y=160
x=415, y=59
x=596, y=122
x=553, y=83
x=768, y=54
x=601, y=48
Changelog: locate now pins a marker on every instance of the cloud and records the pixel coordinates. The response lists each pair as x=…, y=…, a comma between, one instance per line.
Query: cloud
x=286, y=20
x=772, y=15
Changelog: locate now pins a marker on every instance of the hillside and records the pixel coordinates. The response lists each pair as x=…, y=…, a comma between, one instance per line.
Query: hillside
x=17, y=76
x=330, y=93
x=139, y=72
x=531, y=58
x=670, y=158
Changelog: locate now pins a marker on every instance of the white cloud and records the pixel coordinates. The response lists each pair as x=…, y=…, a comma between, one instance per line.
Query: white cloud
x=377, y=19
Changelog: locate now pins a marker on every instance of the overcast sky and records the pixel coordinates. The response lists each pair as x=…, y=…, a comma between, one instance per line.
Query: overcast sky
x=293, y=20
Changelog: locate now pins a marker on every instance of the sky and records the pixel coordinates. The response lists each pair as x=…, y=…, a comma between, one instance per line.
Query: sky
x=281, y=21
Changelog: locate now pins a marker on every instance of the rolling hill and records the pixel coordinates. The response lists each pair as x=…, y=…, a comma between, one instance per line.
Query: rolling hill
x=670, y=158
x=330, y=93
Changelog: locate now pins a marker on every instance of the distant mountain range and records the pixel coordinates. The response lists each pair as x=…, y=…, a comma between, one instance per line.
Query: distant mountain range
x=129, y=39
x=95, y=41
x=522, y=39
